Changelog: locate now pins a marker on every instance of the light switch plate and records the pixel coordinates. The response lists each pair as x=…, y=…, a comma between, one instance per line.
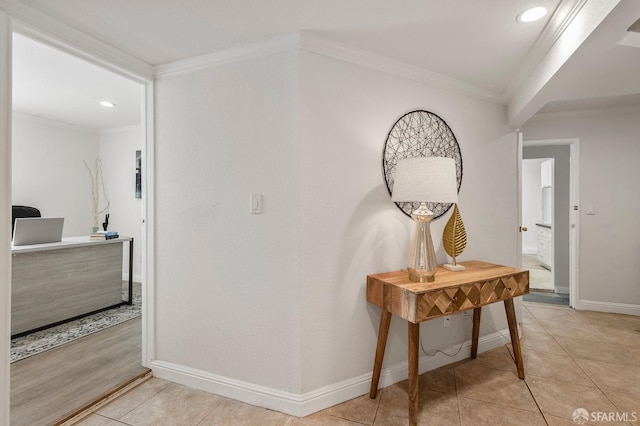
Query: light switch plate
x=591, y=209
x=256, y=204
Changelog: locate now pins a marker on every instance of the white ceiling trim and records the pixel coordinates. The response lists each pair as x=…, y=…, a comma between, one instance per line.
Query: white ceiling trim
x=117, y=130
x=35, y=24
x=267, y=46
x=315, y=44
x=53, y=123
x=529, y=97
x=591, y=112
x=558, y=23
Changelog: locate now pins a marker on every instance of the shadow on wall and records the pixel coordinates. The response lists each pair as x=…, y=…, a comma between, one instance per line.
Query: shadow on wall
x=374, y=239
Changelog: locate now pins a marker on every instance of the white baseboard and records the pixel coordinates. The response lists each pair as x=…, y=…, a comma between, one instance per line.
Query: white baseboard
x=611, y=307
x=301, y=405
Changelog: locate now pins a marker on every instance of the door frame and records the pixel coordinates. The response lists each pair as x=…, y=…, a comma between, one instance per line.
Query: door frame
x=574, y=203
x=6, y=41
x=64, y=38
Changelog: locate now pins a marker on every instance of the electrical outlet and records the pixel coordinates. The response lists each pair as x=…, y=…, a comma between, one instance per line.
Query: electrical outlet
x=447, y=321
x=140, y=260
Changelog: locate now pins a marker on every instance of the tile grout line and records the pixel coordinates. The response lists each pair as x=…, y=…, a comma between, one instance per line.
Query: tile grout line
x=218, y=405
x=597, y=386
x=134, y=408
x=544, y=417
x=109, y=418
x=536, y=401
x=455, y=385
x=579, y=367
x=379, y=398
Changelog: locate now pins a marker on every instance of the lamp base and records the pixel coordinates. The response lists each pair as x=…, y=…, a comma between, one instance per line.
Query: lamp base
x=421, y=276
x=454, y=268
x=422, y=257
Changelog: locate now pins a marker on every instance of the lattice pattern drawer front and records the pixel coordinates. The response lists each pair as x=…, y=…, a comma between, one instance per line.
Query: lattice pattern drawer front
x=449, y=300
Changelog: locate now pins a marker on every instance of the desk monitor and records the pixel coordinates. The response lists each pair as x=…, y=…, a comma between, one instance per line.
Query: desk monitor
x=37, y=230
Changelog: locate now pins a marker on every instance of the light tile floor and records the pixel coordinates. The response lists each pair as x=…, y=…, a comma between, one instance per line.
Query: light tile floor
x=573, y=359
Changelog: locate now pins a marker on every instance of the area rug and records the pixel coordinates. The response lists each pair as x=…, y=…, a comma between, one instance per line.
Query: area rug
x=40, y=341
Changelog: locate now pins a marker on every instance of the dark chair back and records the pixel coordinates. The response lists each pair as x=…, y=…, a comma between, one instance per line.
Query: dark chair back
x=22, y=211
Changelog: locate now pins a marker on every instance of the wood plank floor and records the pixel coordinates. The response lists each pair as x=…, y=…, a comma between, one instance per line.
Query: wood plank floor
x=52, y=385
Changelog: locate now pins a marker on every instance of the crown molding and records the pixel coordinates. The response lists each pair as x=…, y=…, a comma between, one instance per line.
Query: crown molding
x=529, y=98
x=322, y=46
x=53, y=123
x=39, y=26
x=268, y=46
x=558, y=23
x=591, y=112
x=74, y=127
x=119, y=130
x=315, y=44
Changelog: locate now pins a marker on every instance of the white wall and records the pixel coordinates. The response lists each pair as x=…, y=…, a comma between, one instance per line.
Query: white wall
x=275, y=303
x=49, y=173
x=118, y=152
x=227, y=281
x=609, y=243
x=350, y=228
x=531, y=204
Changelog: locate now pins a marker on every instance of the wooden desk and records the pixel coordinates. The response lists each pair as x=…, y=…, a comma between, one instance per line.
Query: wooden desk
x=451, y=292
x=58, y=282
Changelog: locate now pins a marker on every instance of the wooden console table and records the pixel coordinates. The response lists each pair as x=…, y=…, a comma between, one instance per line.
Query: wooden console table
x=478, y=285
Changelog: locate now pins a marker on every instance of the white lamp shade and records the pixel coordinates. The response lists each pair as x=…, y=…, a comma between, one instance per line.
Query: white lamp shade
x=425, y=179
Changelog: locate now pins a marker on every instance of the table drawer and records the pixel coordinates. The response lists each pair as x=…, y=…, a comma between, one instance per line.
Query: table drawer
x=446, y=301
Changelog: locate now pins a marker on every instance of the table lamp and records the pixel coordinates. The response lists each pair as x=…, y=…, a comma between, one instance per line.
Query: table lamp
x=424, y=179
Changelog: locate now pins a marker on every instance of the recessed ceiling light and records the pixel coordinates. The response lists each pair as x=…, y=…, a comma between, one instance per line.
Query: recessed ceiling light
x=107, y=104
x=532, y=14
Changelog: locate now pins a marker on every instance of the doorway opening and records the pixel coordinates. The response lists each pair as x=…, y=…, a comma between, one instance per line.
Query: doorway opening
x=537, y=216
x=58, y=125
x=549, y=201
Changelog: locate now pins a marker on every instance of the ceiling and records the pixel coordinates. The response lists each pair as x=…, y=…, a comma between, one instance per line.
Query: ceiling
x=478, y=43
x=52, y=84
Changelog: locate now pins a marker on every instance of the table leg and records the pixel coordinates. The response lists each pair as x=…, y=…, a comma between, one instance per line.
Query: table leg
x=513, y=330
x=476, y=332
x=414, y=343
x=383, y=332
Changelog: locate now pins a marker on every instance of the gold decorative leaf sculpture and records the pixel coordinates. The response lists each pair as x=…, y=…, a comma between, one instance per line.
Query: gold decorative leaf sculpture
x=454, y=237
